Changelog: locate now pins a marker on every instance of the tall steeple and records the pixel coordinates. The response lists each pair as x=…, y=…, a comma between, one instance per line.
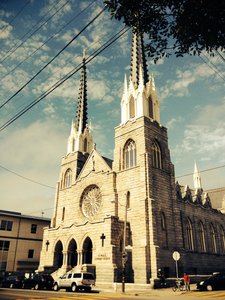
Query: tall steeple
x=80, y=138
x=140, y=97
x=81, y=114
x=138, y=60
x=197, y=178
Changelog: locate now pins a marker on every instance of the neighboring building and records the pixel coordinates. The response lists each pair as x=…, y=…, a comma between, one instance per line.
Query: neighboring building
x=20, y=241
x=217, y=197
x=129, y=211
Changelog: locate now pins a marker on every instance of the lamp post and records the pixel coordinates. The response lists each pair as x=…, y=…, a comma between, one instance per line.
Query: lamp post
x=124, y=254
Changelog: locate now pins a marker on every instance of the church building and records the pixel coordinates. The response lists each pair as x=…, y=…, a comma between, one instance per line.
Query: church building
x=127, y=216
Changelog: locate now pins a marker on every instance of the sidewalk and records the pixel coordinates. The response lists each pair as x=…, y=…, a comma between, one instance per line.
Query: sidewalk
x=141, y=291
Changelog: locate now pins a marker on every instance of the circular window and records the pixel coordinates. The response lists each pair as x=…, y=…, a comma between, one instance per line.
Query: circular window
x=91, y=201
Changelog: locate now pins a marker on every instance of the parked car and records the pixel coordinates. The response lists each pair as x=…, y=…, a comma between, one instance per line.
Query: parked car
x=214, y=282
x=13, y=281
x=39, y=282
x=75, y=281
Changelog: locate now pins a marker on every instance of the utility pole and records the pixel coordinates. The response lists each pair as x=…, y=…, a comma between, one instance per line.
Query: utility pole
x=124, y=254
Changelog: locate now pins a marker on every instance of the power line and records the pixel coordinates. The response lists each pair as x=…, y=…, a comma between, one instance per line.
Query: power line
x=61, y=81
x=50, y=38
x=26, y=178
x=45, y=66
x=212, y=66
x=206, y=170
x=12, y=50
x=16, y=15
x=89, y=59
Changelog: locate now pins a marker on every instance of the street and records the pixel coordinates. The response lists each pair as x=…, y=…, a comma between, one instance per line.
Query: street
x=167, y=294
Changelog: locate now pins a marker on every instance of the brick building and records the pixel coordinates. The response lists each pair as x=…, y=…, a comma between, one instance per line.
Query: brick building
x=20, y=241
x=129, y=211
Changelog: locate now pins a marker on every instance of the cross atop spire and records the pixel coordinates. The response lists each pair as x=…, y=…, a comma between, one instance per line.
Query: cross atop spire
x=81, y=114
x=138, y=60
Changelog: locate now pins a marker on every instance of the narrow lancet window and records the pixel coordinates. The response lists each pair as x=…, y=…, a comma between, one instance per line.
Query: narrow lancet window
x=130, y=154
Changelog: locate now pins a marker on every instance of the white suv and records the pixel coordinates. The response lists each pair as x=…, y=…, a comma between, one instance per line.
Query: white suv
x=75, y=282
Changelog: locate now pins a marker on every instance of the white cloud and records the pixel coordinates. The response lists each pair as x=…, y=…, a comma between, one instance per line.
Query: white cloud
x=5, y=30
x=33, y=152
x=184, y=78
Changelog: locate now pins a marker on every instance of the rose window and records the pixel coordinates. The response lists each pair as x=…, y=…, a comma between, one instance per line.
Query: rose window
x=91, y=201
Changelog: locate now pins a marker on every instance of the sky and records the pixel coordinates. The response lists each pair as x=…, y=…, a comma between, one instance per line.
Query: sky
x=32, y=32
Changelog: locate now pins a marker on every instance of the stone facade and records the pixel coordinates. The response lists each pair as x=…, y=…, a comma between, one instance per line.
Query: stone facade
x=129, y=213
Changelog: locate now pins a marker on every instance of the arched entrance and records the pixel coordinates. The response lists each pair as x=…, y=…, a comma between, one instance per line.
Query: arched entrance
x=87, y=251
x=58, y=255
x=72, y=253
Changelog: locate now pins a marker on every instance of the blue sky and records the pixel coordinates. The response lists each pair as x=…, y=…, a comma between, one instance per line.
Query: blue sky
x=191, y=98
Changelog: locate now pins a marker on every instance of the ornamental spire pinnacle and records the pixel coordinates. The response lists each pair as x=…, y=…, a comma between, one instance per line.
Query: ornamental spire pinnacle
x=81, y=114
x=138, y=60
x=197, y=178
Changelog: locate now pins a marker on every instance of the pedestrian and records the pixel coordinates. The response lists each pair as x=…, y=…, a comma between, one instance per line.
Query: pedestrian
x=187, y=282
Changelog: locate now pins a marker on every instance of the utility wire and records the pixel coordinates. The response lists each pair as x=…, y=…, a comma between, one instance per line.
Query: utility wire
x=12, y=50
x=16, y=15
x=26, y=178
x=206, y=170
x=50, y=38
x=61, y=81
x=45, y=66
x=212, y=66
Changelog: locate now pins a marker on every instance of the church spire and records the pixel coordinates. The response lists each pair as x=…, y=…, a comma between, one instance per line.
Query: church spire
x=81, y=114
x=138, y=60
x=80, y=138
x=197, y=178
x=139, y=97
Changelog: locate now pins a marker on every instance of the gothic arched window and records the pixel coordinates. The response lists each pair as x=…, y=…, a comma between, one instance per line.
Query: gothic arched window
x=130, y=154
x=156, y=155
x=150, y=107
x=131, y=107
x=212, y=236
x=201, y=234
x=189, y=235
x=68, y=178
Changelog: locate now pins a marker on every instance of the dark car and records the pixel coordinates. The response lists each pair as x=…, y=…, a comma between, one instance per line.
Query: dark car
x=214, y=282
x=13, y=281
x=39, y=282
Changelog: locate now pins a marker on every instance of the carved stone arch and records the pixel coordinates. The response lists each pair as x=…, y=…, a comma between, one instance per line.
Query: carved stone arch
x=72, y=258
x=87, y=251
x=58, y=254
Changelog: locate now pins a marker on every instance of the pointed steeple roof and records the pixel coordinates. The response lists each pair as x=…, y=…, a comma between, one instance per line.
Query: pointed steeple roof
x=138, y=59
x=197, y=178
x=81, y=114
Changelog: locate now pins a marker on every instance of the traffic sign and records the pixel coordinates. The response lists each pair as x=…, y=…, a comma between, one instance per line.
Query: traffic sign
x=176, y=255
